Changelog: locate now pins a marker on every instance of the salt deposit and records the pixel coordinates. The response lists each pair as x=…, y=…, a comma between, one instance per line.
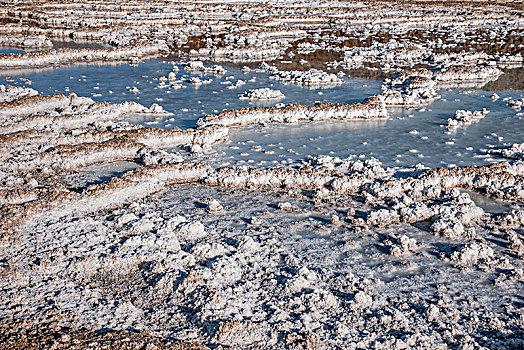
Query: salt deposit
x=118, y=233
x=262, y=94
x=464, y=118
x=312, y=79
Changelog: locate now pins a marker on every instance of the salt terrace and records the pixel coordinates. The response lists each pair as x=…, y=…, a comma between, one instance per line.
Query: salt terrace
x=115, y=234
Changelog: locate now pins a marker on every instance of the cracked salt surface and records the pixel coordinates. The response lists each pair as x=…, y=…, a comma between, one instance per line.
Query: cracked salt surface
x=328, y=254
x=284, y=269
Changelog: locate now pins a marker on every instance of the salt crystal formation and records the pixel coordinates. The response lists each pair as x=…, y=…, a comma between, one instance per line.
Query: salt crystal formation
x=198, y=67
x=515, y=151
x=464, y=118
x=262, y=94
x=312, y=79
x=373, y=108
x=325, y=253
x=417, y=87
x=69, y=56
x=516, y=104
x=26, y=42
x=9, y=93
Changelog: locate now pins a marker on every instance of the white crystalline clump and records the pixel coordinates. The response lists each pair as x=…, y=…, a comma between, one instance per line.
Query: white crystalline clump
x=248, y=245
x=175, y=221
x=191, y=231
x=312, y=78
x=450, y=227
x=464, y=118
x=214, y=206
x=403, y=246
x=195, y=81
x=142, y=226
x=160, y=157
x=363, y=299
x=382, y=217
x=514, y=217
x=215, y=70
x=285, y=206
x=321, y=193
x=156, y=108
x=124, y=219
x=515, y=151
x=198, y=67
x=433, y=313
x=236, y=85
x=208, y=251
x=167, y=240
x=262, y=94
x=472, y=253
x=194, y=66
x=407, y=242
x=10, y=93
x=516, y=104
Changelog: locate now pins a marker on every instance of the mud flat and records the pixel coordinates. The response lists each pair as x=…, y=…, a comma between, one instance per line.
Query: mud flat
x=115, y=234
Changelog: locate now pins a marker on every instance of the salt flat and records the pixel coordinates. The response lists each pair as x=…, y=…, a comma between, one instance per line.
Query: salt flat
x=276, y=175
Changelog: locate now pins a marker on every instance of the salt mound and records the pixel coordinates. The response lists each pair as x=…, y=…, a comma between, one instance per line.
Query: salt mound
x=262, y=94
x=464, y=118
x=312, y=78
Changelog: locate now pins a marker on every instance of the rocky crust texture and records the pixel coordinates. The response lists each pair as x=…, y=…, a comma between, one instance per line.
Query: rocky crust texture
x=114, y=235
x=387, y=36
x=308, y=256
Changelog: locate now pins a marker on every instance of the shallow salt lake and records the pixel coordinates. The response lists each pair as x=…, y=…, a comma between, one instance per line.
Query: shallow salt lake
x=409, y=137
x=394, y=142
x=190, y=102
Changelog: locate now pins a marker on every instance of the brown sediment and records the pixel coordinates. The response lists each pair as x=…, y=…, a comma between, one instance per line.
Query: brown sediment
x=511, y=79
x=454, y=3
x=46, y=334
x=338, y=27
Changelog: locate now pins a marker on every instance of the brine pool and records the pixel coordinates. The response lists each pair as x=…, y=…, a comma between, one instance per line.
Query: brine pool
x=411, y=136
